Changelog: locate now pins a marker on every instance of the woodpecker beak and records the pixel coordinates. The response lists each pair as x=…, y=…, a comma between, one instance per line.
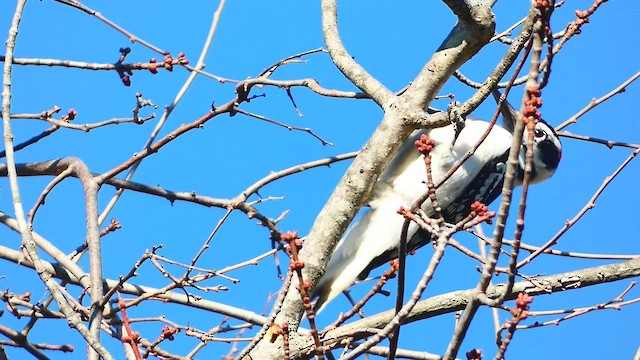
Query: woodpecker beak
x=509, y=114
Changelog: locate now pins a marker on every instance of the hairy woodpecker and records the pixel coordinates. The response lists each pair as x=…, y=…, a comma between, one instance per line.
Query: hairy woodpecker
x=374, y=239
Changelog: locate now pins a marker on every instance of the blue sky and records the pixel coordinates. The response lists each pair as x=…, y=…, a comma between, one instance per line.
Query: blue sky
x=392, y=40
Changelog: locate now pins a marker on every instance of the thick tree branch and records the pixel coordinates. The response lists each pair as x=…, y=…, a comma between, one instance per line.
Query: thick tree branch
x=402, y=115
x=344, y=61
x=458, y=300
x=470, y=34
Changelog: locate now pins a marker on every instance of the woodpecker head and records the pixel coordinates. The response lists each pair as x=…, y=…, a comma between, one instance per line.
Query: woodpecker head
x=547, y=149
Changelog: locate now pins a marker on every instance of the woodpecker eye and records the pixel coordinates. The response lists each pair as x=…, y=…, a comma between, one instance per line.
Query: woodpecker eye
x=539, y=133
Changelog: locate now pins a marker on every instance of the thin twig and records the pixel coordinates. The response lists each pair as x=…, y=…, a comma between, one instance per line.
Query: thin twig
x=286, y=126
x=272, y=316
x=616, y=304
x=507, y=192
x=590, y=205
x=608, y=143
x=595, y=102
x=165, y=115
x=41, y=199
x=32, y=140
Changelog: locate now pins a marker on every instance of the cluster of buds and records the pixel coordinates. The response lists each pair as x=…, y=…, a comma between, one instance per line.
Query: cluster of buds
x=541, y=4
x=296, y=265
x=132, y=338
x=69, y=116
x=123, y=54
x=113, y=226
x=305, y=285
x=532, y=104
x=294, y=244
x=285, y=339
x=479, y=208
x=583, y=16
x=292, y=239
x=66, y=348
x=168, y=332
x=25, y=297
x=169, y=62
x=521, y=311
x=425, y=144
x=474, y=354
x=153, y=68
x=125, y=77
x=395, y=265
x=480, y=212
x=392, y=271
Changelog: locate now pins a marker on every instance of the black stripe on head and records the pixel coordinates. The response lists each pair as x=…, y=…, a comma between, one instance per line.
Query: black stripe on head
x=549, y=154
x=549, y=151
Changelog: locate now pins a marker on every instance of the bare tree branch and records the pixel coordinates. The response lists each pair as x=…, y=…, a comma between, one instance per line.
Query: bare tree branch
x=345, y=62
x=458, y=300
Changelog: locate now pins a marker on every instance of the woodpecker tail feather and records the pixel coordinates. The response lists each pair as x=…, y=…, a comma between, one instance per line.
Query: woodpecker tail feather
x=377, y=231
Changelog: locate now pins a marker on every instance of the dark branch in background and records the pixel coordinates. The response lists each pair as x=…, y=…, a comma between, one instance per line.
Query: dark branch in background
x=608, y=143
x=424, y=145
x=32, y=141
x=267, y=72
